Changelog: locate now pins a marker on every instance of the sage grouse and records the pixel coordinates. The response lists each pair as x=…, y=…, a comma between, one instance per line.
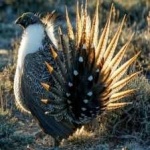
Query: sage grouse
x=66, y=82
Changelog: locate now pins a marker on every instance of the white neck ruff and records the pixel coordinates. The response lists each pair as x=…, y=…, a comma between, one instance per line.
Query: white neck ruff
x=31, y=42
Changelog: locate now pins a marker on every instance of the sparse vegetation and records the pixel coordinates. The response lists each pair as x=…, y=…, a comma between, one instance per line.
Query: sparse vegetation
x=126, y=128
x=8, y=137
x=132, y=121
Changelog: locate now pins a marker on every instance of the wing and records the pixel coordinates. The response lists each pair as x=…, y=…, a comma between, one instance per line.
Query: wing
x=34, y=73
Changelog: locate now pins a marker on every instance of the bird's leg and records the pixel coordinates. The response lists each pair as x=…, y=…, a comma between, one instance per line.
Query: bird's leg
x=56, y=144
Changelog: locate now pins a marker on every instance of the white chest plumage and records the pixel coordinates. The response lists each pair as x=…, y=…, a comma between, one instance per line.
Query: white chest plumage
x=31, y=42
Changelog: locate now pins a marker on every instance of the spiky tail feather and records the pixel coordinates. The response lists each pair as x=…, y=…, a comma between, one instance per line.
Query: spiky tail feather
x=88, y=78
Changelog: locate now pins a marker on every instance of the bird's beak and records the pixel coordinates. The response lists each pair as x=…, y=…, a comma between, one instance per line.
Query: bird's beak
x=18, y=21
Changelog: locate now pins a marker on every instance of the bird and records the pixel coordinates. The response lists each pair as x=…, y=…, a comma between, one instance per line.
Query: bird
x=67, y=81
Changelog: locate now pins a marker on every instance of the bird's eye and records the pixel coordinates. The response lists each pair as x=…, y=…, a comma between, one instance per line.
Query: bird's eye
x=32, y=20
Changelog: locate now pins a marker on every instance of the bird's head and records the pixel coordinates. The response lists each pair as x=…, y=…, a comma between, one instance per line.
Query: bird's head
x=27, y=19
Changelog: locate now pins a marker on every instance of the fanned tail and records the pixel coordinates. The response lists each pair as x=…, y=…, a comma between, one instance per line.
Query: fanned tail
x=89, y=78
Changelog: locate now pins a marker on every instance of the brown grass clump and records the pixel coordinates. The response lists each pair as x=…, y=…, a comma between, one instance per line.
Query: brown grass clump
x=6, y=89
x=6, y=80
